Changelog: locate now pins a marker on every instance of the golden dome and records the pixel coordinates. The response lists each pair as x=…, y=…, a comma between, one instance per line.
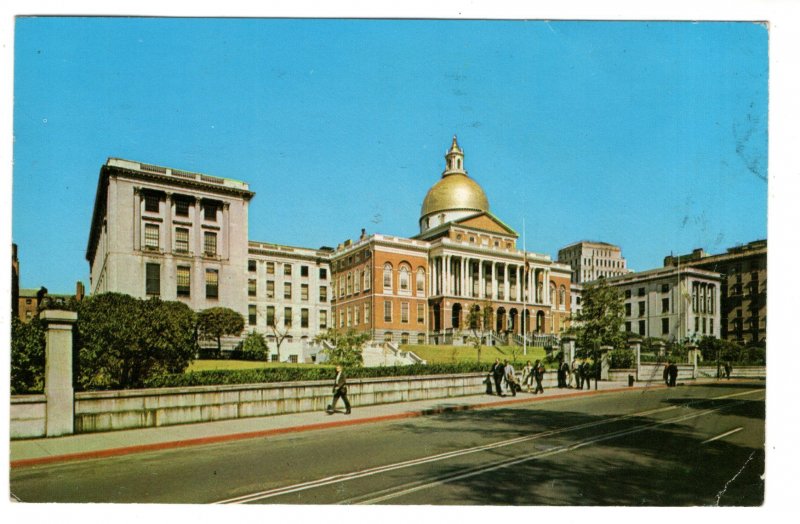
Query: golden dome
x=454, y=191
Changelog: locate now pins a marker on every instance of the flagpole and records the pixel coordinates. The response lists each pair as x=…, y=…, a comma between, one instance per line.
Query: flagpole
x=525, y=274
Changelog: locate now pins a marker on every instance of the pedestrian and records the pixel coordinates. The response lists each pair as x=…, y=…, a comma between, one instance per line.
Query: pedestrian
x=666, y=372
x=565, y=374
x=728, y=370
x=560, y=378
x=497, y=374
x=511, y=379
x=586, y=375
x=673, y=374
x=573, y=376
x=488, y=382
x=538, y=374
x=527, y=376
x=339, y=391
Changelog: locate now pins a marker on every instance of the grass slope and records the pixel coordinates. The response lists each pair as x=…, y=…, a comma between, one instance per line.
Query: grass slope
x=447, y=354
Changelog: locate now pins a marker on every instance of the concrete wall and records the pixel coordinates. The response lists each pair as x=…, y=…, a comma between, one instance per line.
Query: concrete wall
x=28, y=416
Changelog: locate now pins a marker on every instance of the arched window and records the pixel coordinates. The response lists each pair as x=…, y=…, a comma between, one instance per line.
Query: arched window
x=420, y=281
x=405, y=280
x=387, y=277
x=553, y=296
x=562, y=296
x=357, y=281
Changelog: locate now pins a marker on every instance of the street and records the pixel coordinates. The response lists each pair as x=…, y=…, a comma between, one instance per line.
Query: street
x=684, y=446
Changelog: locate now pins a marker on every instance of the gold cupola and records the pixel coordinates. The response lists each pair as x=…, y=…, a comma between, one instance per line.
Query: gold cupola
x=455, y=195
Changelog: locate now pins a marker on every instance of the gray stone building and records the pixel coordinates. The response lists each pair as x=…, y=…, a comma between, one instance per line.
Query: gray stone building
x=591, y=260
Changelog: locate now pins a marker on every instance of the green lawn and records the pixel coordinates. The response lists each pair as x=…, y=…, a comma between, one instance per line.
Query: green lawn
x=446, y=354
x=214, y=365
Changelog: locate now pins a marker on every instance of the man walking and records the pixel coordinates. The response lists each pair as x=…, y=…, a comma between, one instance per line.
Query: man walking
x=511, y=380
x=339, y=391
x=673, y=374
x=497, y=373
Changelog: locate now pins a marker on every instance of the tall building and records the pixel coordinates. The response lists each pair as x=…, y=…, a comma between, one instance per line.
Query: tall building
x=743, y=289
x=179, y=235
x=591, y=260
x=674, y=304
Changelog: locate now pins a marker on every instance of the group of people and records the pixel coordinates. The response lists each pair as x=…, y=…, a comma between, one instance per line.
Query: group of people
x=504, y=378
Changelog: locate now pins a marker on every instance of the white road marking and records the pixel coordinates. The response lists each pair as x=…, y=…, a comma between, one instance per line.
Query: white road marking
x=731, y=432
x=252, y=497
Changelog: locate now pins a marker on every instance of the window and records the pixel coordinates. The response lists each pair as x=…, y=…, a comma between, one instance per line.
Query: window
x=341, y=286
x=270, y=268
x=420, y=281
x=704, y=325
x=665, y=326
x=304, y=318
x=303, y=291
x=696, y=324
x=270, y=289
x=303, y=271
x=640, y=292
x=151, y=202
x=420, y=338
x=367, y=279
x=153, y=279
x=251, y=314
x=251, y=265
x=293, y=359
x=210, y=244
x=350, y=283
x=323, y=319
x=357, y=282
x=404, y=279
x=251, y=287
x=287, y=290
x=210, y=212
x=665, y=305
x=287, y=317
x=181, y=207
x=323, y=294
x=341, y=318
x=627, y=309
x=627, y=293
x=271, y=316
x=181, y=240
x=323, y=273
x=387, y=278
x=366, y=313
x=287, y=269
x=356, y=315
x=151, y=236
x=212, y=283
x=184, y=281
x=710, y=326
x=404, y=312
x=404, y=338
x=642, y=330
x=665, y=288
x=628, y=327
x=641, y=308
x=387, y=310
x=420, y=313
x=349, y=317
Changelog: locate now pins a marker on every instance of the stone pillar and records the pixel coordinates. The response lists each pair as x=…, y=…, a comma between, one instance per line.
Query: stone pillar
x=58, y=390
x=481, y=283
x=506, y=282
x=568, y=348
x=694, y=352
x=659, y=346
x=636, y=345
x=137, y=218
x=168, y=201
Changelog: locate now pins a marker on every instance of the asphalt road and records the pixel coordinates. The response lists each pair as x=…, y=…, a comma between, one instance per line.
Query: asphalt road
x=684, y=446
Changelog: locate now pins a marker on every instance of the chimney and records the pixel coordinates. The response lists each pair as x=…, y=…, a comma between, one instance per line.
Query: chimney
x=80, y=291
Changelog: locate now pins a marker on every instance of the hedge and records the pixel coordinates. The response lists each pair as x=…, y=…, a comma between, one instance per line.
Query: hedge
x=297, y=374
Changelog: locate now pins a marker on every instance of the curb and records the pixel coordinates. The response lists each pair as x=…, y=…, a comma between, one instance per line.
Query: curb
x=176, y=444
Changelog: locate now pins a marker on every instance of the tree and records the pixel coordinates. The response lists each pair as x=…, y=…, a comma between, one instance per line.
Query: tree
x=254, y=347
x=478, y=318
x=217, y=322
x=27, y=356
x=348, y=346
x=122, y=340
x=280, y=330
x=600, y=320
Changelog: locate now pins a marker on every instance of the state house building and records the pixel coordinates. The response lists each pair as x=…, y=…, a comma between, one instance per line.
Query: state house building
x=179, y=235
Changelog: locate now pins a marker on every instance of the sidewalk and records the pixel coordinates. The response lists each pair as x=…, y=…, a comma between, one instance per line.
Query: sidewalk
x=31, y=452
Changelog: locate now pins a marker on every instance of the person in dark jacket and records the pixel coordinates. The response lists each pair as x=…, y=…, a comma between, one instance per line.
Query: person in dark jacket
x=564, y=374
x=586, y=375
x=538, y=375
x=673, y=374
x=339, y=391
x=498, y=371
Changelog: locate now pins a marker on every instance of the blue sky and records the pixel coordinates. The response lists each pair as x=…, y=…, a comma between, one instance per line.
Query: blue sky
x=652, y=135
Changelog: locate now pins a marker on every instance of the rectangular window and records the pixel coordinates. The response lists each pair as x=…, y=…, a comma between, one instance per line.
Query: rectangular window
x=304, y=318
x=287, y=290
x=153, y=279
x=710, y=326
x=323, y=319
x=704, y=325
x=356, y=282
x=404, y=312
x=270, y=289
x=251, y=265
x=341, y=286
x=665, y=326
x=366, y=313
x=387, y=310
x=323, y=273
x=303, y=271
x=184, y=281
x=349, y=317
x=270, y=268
x=628, y=327
x=696, y=324
x=212, y=283
x=641, y=308
x=627, y=309
x=665, y=288
x=420, y=313
x=303, y=291
x=210, y=244
x=642, y=330
x=641, y=292
x=251, y=314
x=627, y=293
x=341, y=318
x=151, y=203
x=181, y=207
x=151, y=234
x=293, y=359
x=287, y=317
x=323, y=294
x=271, y=316
x=287, y=269
x=181, y=240
x=210, y=212
x=251, y=287
x=356, y=315
x=665, y=305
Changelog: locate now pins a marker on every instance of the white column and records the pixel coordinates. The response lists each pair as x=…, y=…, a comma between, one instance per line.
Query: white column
x=58, y=391
x=481, y=284
x=506, y=282
x=494, y=280
x=168, y=222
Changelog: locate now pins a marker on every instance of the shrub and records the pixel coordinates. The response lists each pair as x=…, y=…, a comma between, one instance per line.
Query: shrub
x=27, y=356
x=622, y=358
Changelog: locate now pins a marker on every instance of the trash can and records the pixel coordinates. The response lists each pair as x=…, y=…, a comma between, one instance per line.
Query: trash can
x=630, y=381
